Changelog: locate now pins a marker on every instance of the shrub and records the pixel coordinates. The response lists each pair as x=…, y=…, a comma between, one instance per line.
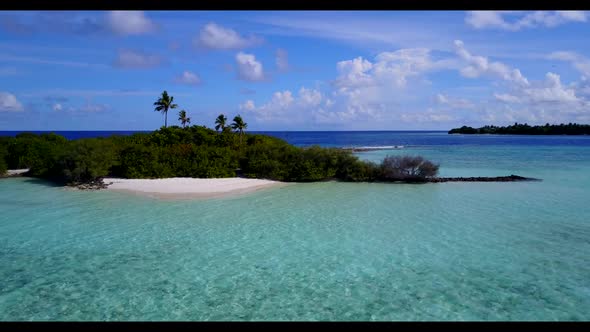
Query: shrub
x=3, y=154
x=85, y=160
x=407, y=168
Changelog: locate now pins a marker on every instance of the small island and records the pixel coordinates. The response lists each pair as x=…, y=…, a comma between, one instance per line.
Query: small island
x=525, y=129
x=186, y=156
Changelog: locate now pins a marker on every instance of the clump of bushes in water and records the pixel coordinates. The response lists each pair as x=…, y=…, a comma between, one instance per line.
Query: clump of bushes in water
x=407, y=168
x=200, y=152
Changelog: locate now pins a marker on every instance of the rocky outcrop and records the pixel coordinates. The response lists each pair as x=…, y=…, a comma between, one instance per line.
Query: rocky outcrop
x=92, y=185
x=511, y=178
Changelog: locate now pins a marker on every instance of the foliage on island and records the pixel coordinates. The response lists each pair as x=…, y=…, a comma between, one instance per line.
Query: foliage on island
x=525, y=129
x=199, y=152
x=3, y=153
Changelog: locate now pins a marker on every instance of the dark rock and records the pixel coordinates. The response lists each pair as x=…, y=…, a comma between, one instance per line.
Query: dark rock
x=91, y=185
x=511, y=178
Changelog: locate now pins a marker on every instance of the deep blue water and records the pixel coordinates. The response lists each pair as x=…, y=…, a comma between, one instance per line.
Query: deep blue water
x=373, y=138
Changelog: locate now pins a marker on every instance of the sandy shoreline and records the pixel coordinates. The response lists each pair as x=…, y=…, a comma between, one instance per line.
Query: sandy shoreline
x=186, y=188
x=16, y=172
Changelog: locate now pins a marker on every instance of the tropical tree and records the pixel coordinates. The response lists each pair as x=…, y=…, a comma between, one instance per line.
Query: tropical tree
x=239, y=125
x=183, y=119
x=220, y=122
x=163, y=104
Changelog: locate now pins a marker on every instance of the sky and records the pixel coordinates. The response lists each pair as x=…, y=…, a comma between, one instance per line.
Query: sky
x=294, y=70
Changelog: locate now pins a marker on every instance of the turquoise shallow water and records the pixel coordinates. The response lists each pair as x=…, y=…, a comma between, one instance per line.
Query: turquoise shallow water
x=321, y=251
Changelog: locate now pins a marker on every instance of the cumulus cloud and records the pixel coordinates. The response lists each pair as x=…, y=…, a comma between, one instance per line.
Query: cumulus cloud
x=354, y=73
x=248, y=105
x=479, y=66
x=390, y=68
x=282, y=60
x=285, y=107
x=214, y=36
x=497, y=19
x=457, y=103
x=136, y=59
x=9, y=103
x=188, y=78
x=429, y=116
x=249, y=69
x=129, y=22
x=367, y=92
x=363, y=91
x=580, y=63
x=57, y=107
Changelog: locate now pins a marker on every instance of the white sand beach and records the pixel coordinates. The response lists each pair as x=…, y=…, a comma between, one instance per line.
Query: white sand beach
x=15, y=172
x=178, y=188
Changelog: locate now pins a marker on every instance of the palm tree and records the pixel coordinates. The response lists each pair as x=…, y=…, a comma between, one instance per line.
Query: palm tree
x=163, y=104
x=220, y=122
x=183, y=119
x=239, y=125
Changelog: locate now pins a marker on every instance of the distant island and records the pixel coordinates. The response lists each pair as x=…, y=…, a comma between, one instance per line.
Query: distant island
x=525, y=129
x=200, y=152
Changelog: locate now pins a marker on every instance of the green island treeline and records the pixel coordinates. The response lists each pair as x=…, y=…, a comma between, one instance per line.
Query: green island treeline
x=199, y=152
x=195, y=151
x=525, y=129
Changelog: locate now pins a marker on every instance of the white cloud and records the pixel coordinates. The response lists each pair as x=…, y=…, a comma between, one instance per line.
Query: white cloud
x=354, y=73
x=383, y=92
x=9, y=103
x=363, y=92
x=93, y=108
x=129, y=22
x=136, y=59
x=249, y=69
x=248, y=105
x=581, y=63
x=430, y=116
x=507, y=98
x=389, y=69
x=551, y=91
x=479, y=66
x=282, y=60
x=284, y=107
x=57, y=107
x=188, y=78
x=457, y=103
x=497, y=19
x=216, y=37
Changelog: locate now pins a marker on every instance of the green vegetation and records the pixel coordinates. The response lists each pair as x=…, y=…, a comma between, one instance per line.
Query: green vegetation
x=407, y=168
x=163, y=104
x=220, y=122
x=3, y=153
x=525, y=129
x=199, y=152
x=196, y=151
x=239, y=125
x=184, y=120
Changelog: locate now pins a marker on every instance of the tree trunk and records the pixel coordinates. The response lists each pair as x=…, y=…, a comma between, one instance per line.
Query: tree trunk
x=166, y=119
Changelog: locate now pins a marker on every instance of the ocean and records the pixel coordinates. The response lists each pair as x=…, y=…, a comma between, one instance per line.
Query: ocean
x=316, y=251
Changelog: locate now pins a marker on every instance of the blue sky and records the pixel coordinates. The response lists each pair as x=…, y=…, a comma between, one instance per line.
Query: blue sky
x=388, y=70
